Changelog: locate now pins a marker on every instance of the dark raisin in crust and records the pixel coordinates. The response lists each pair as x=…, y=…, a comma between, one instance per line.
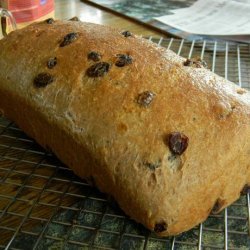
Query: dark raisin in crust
x=42, y=80
x=126, y=33
x=123, y=60
x=196, y=63
x=178, y=143
x=94, y=56
x=245, y=190
x=75, y=18
x=145, y=98
x=98, y=69
x=217, y=207
x=50, y=20
x=160, y=227
x=52, y=62
x=68, y=39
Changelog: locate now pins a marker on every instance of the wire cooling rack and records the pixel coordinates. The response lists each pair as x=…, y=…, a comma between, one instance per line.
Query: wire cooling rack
x=43, y=205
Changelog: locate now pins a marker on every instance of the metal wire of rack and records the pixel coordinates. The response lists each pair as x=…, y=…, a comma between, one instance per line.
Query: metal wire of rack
x=43, y=205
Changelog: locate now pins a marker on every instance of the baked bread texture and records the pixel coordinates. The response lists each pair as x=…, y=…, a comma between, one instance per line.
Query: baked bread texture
x=166, y=137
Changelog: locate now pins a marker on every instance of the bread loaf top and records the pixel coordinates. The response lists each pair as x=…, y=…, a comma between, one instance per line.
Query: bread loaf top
x=167, y=138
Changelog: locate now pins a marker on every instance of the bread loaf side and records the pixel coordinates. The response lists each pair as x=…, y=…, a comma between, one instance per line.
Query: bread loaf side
x=167, y=138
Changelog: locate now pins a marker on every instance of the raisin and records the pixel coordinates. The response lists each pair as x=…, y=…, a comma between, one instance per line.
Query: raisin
x=245, y=190
x=52, y=62
x=217, y=206
x=178, y=143
x=188, y=62
x=98, y=69
x=160, y=227
x=75, y=18
x=123, y=60
x=94, y=56
x=50, y=20
x=145, y=98
x=126, y=33
x=196, y=63
x=42, y=80
x=68, y=39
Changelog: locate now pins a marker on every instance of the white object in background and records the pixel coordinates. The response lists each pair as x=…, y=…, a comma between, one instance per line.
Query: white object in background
x=213, y=17
x=5, y=17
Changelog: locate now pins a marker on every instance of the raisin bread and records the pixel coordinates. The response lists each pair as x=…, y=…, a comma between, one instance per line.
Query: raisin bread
x=166, y=137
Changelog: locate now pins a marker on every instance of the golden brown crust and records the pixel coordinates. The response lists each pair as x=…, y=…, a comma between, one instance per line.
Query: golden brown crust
x=113, y=122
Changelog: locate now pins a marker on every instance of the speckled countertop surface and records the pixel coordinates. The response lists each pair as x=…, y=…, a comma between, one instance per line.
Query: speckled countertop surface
x=144, y=10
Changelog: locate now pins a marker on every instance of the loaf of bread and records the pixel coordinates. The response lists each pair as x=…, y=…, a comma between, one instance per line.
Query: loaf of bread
x=166, y=137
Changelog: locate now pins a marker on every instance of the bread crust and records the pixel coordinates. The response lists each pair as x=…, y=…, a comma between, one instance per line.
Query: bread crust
x=102, y=127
